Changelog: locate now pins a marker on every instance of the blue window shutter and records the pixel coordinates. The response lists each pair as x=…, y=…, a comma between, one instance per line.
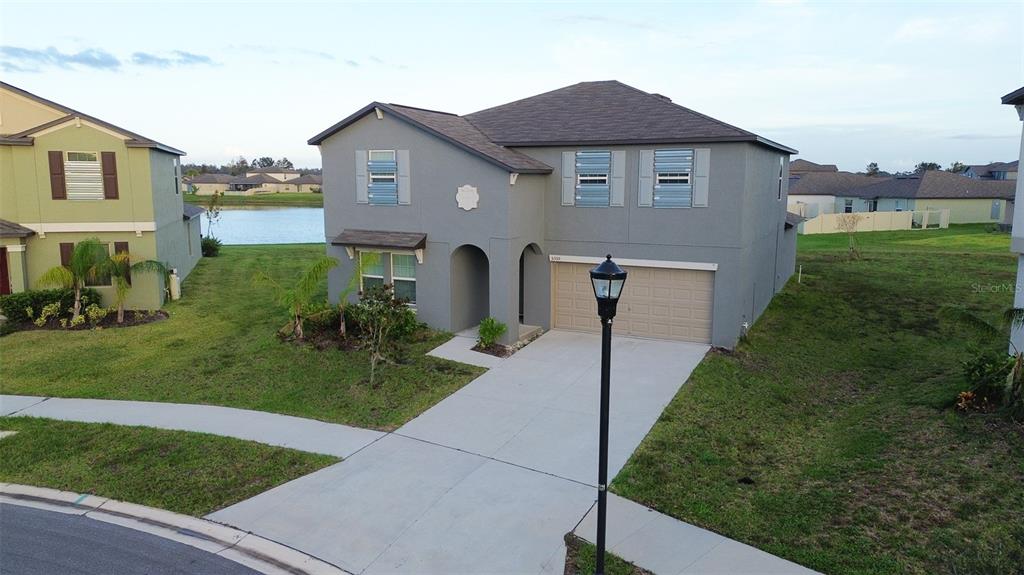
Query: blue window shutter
x=673, y=195
x=593, y=195
x=404, y=181
x=618, y=179
x=701, y=171
x=362, y=183
x=645, y=190
x=568, y=178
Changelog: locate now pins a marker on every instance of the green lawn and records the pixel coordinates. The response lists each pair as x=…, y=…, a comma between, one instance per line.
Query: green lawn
x=191, y=473
x=281, y=199
x=219, y=347
x=829, y=436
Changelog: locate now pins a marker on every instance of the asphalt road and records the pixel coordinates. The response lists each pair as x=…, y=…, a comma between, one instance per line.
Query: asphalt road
x=37, y=542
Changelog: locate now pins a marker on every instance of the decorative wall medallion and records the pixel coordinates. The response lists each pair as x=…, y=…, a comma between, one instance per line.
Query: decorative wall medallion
x=467, y=197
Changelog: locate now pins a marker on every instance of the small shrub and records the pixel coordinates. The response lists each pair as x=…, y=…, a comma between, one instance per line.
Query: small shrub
x=986, y=373
x=211, y=247
x=322, y=319
x=490, y=331
x=77, y=320
x=380, y=318
x=22, y=307
x=49, y=311
x=95, y=314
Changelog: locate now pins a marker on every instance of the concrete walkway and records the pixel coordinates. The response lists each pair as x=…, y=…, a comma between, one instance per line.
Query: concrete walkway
x=270, y=428
x=491, y=478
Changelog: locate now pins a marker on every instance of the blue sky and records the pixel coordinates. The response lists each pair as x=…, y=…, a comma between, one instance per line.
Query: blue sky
x=844, y=83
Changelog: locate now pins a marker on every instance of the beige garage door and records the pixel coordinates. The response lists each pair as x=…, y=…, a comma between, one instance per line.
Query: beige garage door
x=658, y=302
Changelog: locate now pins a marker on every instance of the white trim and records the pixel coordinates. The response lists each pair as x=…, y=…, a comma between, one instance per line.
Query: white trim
x=638, y=263
x=78, y=124
x=15, y=248
x=67, y=227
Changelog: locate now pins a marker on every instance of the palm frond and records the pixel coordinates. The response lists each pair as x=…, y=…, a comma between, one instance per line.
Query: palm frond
x=960, y=315
x=1014, y=317
x=151, y=266
x=313, y=278
x=87, y=257
x=59, y=276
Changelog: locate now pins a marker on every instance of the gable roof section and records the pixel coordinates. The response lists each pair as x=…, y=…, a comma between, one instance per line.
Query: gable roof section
x=272, y=170
x=604, y=113
x=936, y=185
x=828, y=183
x=256, y=179
x=306, y=179
x=982, y=170
x=209, y=179
x=450, y=128
x=801, y=165
x=1015, y=98
x=190, y=211
x=25, y=137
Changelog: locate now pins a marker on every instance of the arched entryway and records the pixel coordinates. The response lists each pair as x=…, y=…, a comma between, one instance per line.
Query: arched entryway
x=533, y=286
x=470, y=287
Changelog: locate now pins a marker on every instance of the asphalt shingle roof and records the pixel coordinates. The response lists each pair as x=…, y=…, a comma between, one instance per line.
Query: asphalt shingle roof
x=209, y=179
x=936, y=184
x=191, y=210
x=606, y=112
x=306, y=179
x=10, y=229
x=828, y=183
x=802, y=165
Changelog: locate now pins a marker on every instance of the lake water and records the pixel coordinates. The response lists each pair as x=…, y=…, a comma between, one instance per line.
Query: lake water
x=268, y=225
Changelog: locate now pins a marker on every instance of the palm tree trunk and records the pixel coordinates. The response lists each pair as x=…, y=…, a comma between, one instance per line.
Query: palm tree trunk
x=120, y=312
x=341, y=322
x=78, y=302
x=299, y=335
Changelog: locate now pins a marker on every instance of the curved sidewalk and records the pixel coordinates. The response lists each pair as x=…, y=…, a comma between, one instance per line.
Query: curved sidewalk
x=269, y=428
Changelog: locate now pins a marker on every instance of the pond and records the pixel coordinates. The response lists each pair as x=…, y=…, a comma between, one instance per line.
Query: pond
x=268, y=225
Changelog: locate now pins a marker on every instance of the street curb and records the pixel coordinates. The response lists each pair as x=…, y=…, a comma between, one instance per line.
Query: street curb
x=243, y=547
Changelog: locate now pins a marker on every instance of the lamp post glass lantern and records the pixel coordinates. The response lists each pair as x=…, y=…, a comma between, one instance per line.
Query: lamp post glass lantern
x=608, y=280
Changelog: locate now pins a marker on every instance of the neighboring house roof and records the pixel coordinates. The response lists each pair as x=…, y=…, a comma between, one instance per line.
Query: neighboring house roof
x=935, y=184
x=210, y=179
x=25, y=137
x=13, y=230
x=452, y=129
x=985, y=170
x=803, y=166
x=191, y=210
x=604, y=113
x=271, y=170
x=828, y=183
x=381, y=239
x=257, y=179
x=1015, y=98
x=794, y=219
x=307, y=179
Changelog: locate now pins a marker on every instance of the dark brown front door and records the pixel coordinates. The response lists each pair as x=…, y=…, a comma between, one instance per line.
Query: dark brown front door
x=5, y=276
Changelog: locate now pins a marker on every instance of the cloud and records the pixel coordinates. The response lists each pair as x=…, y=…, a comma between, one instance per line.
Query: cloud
x=176, y=58
x=352, y=63
x=18, y=59
x=970, y=137
x=616, y=22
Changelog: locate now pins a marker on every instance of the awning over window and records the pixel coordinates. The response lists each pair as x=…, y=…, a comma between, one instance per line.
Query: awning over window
x=383, y=240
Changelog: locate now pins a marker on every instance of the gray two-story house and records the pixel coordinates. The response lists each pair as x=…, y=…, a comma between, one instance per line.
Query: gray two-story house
x=502, y=212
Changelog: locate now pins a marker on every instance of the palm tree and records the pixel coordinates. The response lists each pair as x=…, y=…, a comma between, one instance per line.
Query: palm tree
x=84, y=265
x=119, y=268
x=298, y=297
x=1013, y=318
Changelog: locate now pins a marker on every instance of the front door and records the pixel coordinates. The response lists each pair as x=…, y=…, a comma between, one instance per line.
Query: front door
x=5, y=276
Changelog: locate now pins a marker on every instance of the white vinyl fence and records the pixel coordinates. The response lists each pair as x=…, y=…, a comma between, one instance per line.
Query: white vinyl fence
x=879, y=221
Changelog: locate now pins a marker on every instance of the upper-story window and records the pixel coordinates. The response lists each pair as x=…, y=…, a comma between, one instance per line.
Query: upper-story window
x=382, y=169
x=83, y=176
x=782, y=160
x=592, y=173
x=673, y=170
x=177, y=175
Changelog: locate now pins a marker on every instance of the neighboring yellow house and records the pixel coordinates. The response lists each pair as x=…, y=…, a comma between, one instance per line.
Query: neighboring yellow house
x=207, y=184
x=66, y=176
x=260, y=181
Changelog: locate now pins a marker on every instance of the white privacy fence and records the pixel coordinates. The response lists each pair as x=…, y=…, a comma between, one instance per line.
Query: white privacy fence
x=877, y=221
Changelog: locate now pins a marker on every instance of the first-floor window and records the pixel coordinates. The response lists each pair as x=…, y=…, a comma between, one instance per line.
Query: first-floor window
x=872, y=205
x=848, y=207
x=899, y=205
x=102, y=279
x=403, y=274
x=372, y=267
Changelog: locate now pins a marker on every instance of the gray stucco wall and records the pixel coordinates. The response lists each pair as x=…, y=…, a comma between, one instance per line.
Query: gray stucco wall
x=741, y=230
x=172, y=232
x=437, y=169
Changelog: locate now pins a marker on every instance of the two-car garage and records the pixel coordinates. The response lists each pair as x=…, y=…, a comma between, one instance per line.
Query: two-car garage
x=661, y=299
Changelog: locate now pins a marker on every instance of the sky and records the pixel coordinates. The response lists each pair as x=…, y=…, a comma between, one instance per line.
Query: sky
x=844, y=83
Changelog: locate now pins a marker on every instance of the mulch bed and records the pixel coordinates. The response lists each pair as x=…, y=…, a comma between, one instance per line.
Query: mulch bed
x=572, y=550
x=496, y=350
x=131, y=318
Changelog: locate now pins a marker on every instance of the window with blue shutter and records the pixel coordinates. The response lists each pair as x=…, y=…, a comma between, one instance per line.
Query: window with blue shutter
x=673, y=181
x=593, y=189
x=382, y=169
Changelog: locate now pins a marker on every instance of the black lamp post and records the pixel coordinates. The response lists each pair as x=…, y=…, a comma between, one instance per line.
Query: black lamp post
x=608, y=279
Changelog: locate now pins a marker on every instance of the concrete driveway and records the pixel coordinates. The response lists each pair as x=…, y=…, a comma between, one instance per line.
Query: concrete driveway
x=490, y=479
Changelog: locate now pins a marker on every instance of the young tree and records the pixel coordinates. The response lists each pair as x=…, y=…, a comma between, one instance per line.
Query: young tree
x=871, y=169
x=956, y=167
x=120, y=269
x=85, y=265
x=926, y=167
x=299, y=296
x=379, y=315
x=212, y=212
x=848, y=223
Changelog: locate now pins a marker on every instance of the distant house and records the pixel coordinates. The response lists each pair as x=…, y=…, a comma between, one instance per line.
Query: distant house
x=261, y=181
x=968, y=200
x=814, y=192
x=66, y=176
x=802, y=166
x=993, y=171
